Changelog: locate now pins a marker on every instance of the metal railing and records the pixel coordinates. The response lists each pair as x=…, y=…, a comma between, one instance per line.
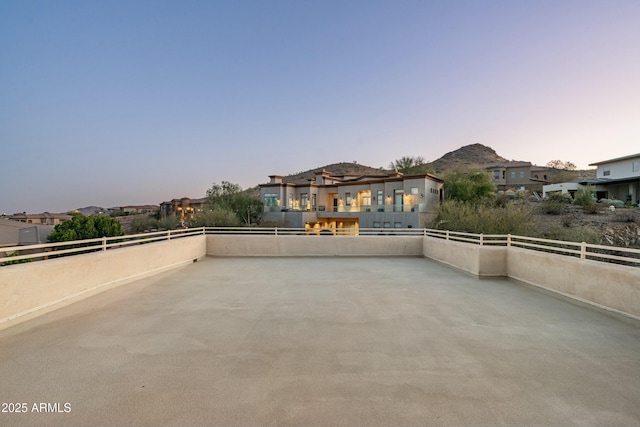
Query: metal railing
x=43, y=251
x=610, y=254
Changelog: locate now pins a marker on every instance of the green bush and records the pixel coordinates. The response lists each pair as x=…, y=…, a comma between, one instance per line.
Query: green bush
x=169, y=223
x=85, y=227
x=473, y=186
x=215, y=217
x=584, y=197
x=139, y=225
x=553, y=207
x=13, y=254
x=485, y=218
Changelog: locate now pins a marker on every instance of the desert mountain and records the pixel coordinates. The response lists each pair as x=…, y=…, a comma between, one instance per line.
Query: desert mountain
x=474, y=155
x=469, y=156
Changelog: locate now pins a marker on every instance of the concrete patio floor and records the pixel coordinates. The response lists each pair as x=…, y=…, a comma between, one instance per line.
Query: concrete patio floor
x=322, y=341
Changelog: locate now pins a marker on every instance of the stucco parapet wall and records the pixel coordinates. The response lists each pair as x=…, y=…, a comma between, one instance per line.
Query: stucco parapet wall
x=242, y=245
x=609, y=286
x=31, y=289
x=482, y=261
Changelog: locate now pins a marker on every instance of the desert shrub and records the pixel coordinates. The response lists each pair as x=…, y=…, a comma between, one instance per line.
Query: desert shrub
x=138, y=225
x=612, y=202
x=169, y=223
x=560, y=197
x=552, y=207
x=584, y=196
x=473, y=186
x=13, y=254
x=626, y=215
x=484, y=218
x=215, y=217
x=573, y=234
x=273, y=224
x=593, y=208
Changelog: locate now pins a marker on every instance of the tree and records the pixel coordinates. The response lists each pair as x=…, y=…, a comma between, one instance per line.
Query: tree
x=559, y=164
x=411, y=165
x=472, y=186
x=85, y=227
x=243, y=204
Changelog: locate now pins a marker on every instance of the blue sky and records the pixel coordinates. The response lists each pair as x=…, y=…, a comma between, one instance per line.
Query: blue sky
x=114, y=103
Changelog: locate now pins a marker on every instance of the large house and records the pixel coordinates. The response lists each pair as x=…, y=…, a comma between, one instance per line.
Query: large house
x=139, y=209
x=513, y=174
x=44, y=218
x=617, y=178
x=185, y=208
x=347, y=202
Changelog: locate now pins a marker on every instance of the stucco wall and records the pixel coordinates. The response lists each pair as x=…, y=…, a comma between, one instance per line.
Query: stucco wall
x=612, y=286
x=35, y=288
x=484, y=261
x=242, y=245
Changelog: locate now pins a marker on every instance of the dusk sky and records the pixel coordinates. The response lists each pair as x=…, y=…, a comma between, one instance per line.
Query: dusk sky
x=114, y=103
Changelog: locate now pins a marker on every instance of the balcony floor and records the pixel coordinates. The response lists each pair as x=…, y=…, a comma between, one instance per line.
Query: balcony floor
x=323, y=341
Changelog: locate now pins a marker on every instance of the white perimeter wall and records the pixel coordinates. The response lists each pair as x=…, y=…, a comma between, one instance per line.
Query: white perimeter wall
x=243, y=245
x=34, y=288
x=31, y=289
x=610, y=286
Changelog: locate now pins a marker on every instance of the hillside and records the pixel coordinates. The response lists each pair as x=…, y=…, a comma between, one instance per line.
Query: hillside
x=469, y=156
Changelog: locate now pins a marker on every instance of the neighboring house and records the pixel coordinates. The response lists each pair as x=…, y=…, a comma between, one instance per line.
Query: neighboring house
x=44, y=218
x=617, y=178
x=350, y=201
x=142, y=209
x=508, y=175
x=16, y=233
x=185, y=207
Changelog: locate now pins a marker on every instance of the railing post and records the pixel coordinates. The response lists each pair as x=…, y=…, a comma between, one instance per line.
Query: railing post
x=447, y=234
x=204, y=230
x=583, y=250
x=276, y=231
x=481, y=239
x=168, y=234
x=508, y=240
x=104, y=243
